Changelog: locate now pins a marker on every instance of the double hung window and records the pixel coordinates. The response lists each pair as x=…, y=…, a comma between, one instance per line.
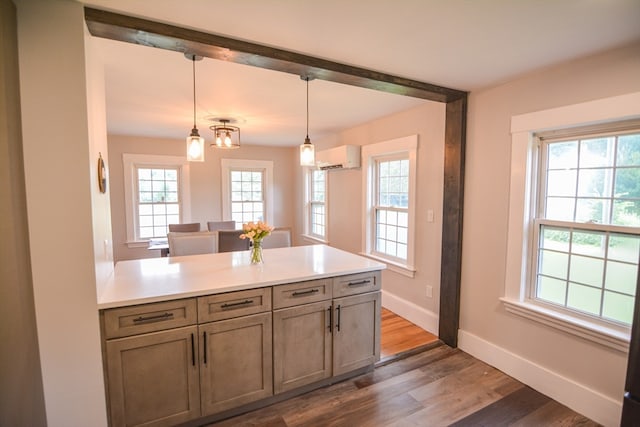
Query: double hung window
x=390, y=182
x=587, y=223
x=247, y=190
x=156, y=194
x=316, y=204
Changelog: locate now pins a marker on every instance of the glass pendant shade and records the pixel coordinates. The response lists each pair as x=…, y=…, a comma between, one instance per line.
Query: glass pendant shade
x=195, y=147
x=307, y=153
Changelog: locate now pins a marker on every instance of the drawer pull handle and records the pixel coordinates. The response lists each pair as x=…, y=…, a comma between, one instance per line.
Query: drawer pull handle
x=300, y=293
x=338, y=320
x=156, y=318
x=361, y=282
x=330, y=318
x=236, y=304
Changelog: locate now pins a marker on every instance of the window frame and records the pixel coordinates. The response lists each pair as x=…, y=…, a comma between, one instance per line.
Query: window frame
x=309, y=204
x=131, y=164
x=524, y=188
x=405, y=147
x=263, y=166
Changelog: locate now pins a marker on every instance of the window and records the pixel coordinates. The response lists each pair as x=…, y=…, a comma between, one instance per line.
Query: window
x=156, y=195
x=574, y=206
x=390, y=202
x=316, y=209
x=391, y=207
x=158, y=200
x=247, y=190
x=586, y=226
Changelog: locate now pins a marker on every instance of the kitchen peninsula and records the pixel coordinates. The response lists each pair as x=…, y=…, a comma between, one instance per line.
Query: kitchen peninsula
x=197, y=338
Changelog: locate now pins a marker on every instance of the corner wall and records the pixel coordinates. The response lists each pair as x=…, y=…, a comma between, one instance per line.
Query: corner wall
x=59, y=185
x=583, y=375
x=21, y=393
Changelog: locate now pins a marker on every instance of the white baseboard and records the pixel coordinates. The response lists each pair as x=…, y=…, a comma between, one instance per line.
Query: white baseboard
x=415, y=314
x=590, y=403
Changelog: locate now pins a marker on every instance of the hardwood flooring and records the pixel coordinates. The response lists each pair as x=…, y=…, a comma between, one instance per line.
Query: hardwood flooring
x=440, y=386
x=398, y=335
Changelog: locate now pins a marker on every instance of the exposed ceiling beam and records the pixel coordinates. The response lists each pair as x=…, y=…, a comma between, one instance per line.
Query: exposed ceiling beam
x=164, y=36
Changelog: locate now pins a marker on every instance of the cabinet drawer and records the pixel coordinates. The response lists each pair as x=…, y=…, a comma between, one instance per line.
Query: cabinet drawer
x=233, y=304
x=356, y=284
x=140, y=319
x=301, y=293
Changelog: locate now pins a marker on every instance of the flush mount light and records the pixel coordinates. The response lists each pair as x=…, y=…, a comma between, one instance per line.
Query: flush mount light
x=307, y=150
x=226, y=135
x=195, y=143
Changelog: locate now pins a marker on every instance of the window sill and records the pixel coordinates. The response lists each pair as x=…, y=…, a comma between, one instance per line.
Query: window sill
x=314, y=239
x=396, y=267
x=138, y=244
x=609, y=337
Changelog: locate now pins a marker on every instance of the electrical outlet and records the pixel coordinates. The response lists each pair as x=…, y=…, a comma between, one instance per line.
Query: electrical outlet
x=429, y=291
x=430, y=215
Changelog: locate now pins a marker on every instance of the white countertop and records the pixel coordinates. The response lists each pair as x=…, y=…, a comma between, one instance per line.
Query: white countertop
x=162, y=279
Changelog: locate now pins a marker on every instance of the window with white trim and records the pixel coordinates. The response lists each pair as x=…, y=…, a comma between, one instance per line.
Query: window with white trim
x=572, y=246
x=156, y=195
x=247, y=190
x=390, y=177
x=586, y=226
x=316, y=208
x=158, y=200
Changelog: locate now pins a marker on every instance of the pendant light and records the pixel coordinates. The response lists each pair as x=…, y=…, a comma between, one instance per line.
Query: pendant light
x=307, y=151
x=195, y=143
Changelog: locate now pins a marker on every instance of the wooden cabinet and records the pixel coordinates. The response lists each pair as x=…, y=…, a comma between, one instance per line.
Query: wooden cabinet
x=356, y=332
x=301, y=345
x=236, y=363
x=171, y=362
x=151, y=363
x=318, y=340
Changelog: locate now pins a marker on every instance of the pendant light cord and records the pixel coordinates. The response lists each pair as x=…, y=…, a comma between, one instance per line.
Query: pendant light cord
x=193, y=61
x=307, y=79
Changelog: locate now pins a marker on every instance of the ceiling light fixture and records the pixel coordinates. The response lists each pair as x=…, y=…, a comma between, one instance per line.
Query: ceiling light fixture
x=307, y=151
x=195, y=143
x=226, y=135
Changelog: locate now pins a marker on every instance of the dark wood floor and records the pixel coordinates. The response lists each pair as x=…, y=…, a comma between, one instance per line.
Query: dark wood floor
x=440, y=386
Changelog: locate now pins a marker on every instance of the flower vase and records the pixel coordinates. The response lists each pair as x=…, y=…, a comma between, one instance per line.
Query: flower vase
x=256, y=253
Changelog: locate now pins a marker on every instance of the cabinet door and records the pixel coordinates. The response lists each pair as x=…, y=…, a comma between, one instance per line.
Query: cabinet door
x=236, y=362
x=301, y=345
x=153, y=378
x=356, y=332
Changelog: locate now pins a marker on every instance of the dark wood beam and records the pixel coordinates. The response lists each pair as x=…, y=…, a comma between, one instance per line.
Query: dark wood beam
x=452, y=209
x=164, y=36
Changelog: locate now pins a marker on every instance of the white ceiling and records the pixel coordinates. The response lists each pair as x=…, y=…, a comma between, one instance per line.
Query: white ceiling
x=461, y=44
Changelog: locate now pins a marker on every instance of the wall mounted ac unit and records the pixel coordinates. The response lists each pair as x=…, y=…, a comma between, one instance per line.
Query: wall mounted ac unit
x=343, y=157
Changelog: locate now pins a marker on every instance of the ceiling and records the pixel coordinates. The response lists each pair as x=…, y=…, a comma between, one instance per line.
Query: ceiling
x=460, y=44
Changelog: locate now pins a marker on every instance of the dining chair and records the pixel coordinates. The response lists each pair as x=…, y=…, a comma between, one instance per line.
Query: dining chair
x=183, y=228
x=229, y=241
x=201, y=242
x=280, y=237
x=221, y=225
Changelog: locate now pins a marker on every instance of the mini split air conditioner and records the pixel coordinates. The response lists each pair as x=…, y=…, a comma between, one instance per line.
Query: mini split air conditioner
x=343, y=157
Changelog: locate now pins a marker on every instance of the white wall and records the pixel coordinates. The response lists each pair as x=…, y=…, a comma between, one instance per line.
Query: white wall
x=586, y=376
x=205, y=179
x=59, y=187
x=406, y=296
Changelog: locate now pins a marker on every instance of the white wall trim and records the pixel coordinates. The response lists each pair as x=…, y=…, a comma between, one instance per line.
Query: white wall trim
x=590, y=403
x=415, y=314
